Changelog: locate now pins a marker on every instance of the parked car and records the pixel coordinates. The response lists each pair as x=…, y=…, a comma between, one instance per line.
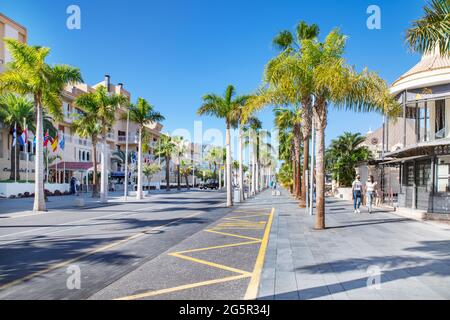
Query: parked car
x=209, y=184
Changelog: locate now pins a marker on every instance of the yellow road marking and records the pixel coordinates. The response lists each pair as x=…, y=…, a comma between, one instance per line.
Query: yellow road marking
x=253, y=287
x=211, y=264
x=184, y=287
x=88, y=254
x=217, y=247
x=255, y=276
x=232, y=235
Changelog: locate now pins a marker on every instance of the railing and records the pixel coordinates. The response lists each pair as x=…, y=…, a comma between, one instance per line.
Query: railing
x=131, y=139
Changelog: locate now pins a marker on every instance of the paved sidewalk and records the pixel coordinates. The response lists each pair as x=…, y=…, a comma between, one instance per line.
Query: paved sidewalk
x=301, y=263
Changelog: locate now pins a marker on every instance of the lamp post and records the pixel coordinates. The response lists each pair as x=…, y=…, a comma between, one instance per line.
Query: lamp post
x=126, y=157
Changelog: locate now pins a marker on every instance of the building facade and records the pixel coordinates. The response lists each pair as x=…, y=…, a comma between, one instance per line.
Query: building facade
x=76, y=159
x=422, y=156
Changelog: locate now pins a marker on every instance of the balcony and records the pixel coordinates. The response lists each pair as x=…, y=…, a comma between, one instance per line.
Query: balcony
x=133, y=139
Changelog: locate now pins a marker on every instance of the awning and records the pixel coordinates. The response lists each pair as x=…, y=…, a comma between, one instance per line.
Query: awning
x=72, y=166
x=117, y=174
x=403, y=159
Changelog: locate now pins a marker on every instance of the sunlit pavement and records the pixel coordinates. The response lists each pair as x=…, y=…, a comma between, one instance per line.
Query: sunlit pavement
x=189, y=246
x=377, y=256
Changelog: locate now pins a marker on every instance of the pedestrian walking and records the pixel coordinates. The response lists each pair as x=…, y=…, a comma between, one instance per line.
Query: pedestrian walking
x=370, y=192
x=357, y=193
x=77, y=187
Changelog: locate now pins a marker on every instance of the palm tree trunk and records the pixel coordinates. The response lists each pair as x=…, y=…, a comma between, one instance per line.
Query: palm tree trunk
x=241, y=168
x=139, y=184
x=187, y=181
x=15, y=163
x=178, y=175
x=305, y=171
x=321, y=118
x=228, y=168
x=167, y=173
x=95, y=193
x=39, y=196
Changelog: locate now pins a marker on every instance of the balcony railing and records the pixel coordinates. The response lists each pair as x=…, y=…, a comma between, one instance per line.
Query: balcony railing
x=131, y=139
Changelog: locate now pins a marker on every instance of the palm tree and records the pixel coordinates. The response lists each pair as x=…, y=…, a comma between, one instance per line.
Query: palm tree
x=178, y=153
x=14, y=111
x=214, y=158
x=298, y=94
x=343, y=155
x=106, y=105
x=335, y=82
x=142, y=113
x=149, y=170
x=432, y=31
x=291, y=119
x=28, y=74
x=86, y=126
x=186, y=171
x=165, y=149
x=227, y=107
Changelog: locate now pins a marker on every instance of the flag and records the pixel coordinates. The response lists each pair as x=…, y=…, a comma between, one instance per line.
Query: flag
x=55, y=144
x=23, y=139
x=62, y=143
x=46, y=138
x=14, y=135
x=34, y=142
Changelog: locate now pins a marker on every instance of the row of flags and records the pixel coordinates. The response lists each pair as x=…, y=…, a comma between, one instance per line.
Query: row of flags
x=56, y=142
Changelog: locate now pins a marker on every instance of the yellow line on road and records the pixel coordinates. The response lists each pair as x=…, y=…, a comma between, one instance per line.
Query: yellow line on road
x=232, y=235
x=252, y=290
x=211, y=264
x=184, y=287
x=88, y=254
x=217, y=247
x=255, y=276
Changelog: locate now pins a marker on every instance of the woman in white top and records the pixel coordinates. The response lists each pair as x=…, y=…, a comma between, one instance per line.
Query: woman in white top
x=370, y=192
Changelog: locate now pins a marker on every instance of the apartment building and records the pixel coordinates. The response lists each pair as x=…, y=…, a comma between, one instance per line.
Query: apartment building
x=76, y=159
x=9, y=29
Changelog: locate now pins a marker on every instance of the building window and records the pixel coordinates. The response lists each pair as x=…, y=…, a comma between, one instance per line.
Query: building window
x=88, y=157
x=440, y=130
x=443, y=174
x=423, y=175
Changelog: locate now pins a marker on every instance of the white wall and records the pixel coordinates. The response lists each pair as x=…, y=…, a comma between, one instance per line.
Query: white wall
x=10, y=32
x=8, y=189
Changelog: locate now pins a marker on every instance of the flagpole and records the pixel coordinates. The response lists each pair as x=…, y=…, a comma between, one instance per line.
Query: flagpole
x=15, y=151
x=26, y=143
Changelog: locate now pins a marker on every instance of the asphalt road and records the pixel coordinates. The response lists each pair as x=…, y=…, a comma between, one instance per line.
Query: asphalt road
x=170, y=246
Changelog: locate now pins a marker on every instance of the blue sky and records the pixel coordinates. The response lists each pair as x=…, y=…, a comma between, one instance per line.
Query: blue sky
x=172, y=52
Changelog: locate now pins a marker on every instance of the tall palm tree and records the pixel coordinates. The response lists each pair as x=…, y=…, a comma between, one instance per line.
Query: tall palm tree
x=86, y=126
x=142, y=113
x=432, y=30
x=106, y=106
x=337, y=83
x=186, y=171
x=299, y=94
x=227, y=107
x=291, y=119
x=14, y=111
x=165, y=149
x=28, y=74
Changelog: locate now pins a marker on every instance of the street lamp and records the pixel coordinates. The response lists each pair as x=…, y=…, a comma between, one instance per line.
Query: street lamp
x=126, y=156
